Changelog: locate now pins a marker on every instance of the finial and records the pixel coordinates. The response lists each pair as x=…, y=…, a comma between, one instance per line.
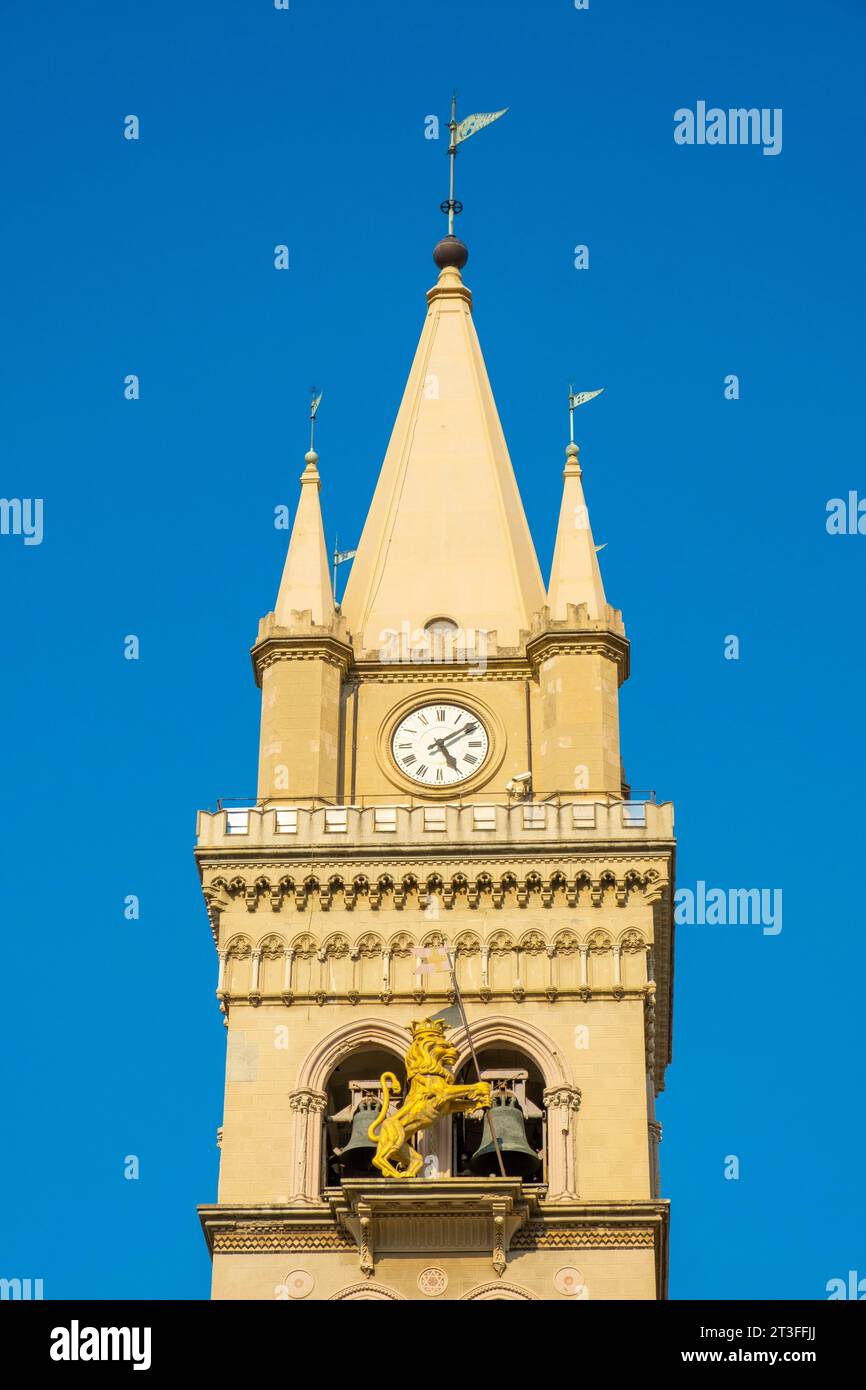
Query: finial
x=572, y=461
x=450, y=251
x=450, y=246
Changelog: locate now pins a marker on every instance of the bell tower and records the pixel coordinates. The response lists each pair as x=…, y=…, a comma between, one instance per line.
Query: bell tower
x=440, y=780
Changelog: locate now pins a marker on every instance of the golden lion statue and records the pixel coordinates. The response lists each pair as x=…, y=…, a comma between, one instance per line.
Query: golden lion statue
x=431, y=1094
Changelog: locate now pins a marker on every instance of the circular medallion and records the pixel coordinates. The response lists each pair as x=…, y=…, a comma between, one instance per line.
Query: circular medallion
x=570, y=1282
x=299, y=1283
x=432, y=1281
x=440, y=745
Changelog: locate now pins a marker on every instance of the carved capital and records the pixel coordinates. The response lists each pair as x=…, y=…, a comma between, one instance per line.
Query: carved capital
x=568, y=1097
x=308, y=1102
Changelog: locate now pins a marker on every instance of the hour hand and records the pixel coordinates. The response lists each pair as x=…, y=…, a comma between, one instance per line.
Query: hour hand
x=438, y=745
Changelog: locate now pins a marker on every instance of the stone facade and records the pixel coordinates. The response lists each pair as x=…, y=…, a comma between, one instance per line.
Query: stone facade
x=550, y=884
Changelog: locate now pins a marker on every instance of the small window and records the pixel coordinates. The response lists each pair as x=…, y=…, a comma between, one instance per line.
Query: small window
x=337, y=820
x=484, y=817
x=443, y=640
x=441, y=625
x=237, y=822
x=286, y=822
x=434, y=818
x=633, y=813
x=534, y=817
x=583, y=816
x=385, y=818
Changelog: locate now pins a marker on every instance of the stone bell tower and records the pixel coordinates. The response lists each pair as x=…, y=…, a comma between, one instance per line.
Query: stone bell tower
x=440, y=763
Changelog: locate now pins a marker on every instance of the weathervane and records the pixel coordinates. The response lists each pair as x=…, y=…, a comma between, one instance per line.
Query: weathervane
x=468, y=126
x=340, y=558
x=574, y=401
x=314, y=406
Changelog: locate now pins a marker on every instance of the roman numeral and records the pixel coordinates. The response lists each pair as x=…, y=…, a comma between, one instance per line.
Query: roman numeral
x=407, y=762
x=440, y=715
x=469, y=758
x=422, y=769
x=438, y=774
x=423, y=718
x=476, y=743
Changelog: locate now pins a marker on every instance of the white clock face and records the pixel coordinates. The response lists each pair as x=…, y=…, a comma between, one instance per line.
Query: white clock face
x=438, y=745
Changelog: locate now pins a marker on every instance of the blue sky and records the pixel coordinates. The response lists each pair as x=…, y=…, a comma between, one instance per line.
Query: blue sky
x=155, y=257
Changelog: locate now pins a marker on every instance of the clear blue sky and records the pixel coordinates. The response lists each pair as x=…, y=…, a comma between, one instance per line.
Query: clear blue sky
x=261, y=127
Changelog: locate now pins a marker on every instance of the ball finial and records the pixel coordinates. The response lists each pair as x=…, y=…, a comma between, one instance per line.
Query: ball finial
x=450, y=251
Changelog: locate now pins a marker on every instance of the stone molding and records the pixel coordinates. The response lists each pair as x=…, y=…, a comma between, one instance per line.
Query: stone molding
x=548, y=883
x=421, y=1216
x=528, y=1222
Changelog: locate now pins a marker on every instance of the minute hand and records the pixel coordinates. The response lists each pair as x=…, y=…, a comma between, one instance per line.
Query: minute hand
x=470, y=729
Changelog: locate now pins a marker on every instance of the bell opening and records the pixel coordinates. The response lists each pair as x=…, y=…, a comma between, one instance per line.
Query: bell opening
x=518, y=1119
x=354, y=1100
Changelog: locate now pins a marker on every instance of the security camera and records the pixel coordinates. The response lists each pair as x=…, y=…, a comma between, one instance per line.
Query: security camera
x=521, y=785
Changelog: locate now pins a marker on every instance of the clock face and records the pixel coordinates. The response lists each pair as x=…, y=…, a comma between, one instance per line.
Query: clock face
x=439, y=745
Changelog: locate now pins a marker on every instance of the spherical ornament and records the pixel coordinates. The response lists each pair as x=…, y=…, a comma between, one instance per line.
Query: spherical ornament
x=451, y=251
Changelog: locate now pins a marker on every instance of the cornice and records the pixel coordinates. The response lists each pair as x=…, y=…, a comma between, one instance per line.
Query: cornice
x=451, y=673
x=577, y=642
x=301, y=647
x=323, y=1226
x=264, y=857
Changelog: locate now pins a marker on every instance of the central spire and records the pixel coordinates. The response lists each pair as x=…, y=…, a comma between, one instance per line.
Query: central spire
x=446, y=535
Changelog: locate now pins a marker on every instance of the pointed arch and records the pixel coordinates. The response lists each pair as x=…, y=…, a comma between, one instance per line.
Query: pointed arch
x=321, y=1060
x=500, y=1029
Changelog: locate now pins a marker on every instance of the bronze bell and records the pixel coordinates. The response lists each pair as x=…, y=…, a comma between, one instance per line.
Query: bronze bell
x=355, y=1158
x=519, y=1159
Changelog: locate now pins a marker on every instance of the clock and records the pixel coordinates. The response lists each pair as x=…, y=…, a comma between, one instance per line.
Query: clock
x=440, y=745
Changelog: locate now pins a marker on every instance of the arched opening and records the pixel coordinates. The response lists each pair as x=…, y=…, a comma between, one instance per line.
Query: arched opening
x=442, y=638
x=499, y=1293
x=517, y=1084
x=354, y=1097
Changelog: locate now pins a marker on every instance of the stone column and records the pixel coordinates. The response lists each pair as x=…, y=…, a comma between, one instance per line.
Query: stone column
x=288, y=962
x=257, y=966
x=655, y=1138
x=562, y=1104
x=307, y=1107
x=485, y=967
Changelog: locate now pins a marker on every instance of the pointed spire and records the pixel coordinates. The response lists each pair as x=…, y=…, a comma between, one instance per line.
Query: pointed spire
x=306, y=581
x=575, y=576
x=446, y=535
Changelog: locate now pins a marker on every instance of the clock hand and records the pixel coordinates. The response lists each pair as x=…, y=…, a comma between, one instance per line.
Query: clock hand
x=470, y=729
x=438, y=745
